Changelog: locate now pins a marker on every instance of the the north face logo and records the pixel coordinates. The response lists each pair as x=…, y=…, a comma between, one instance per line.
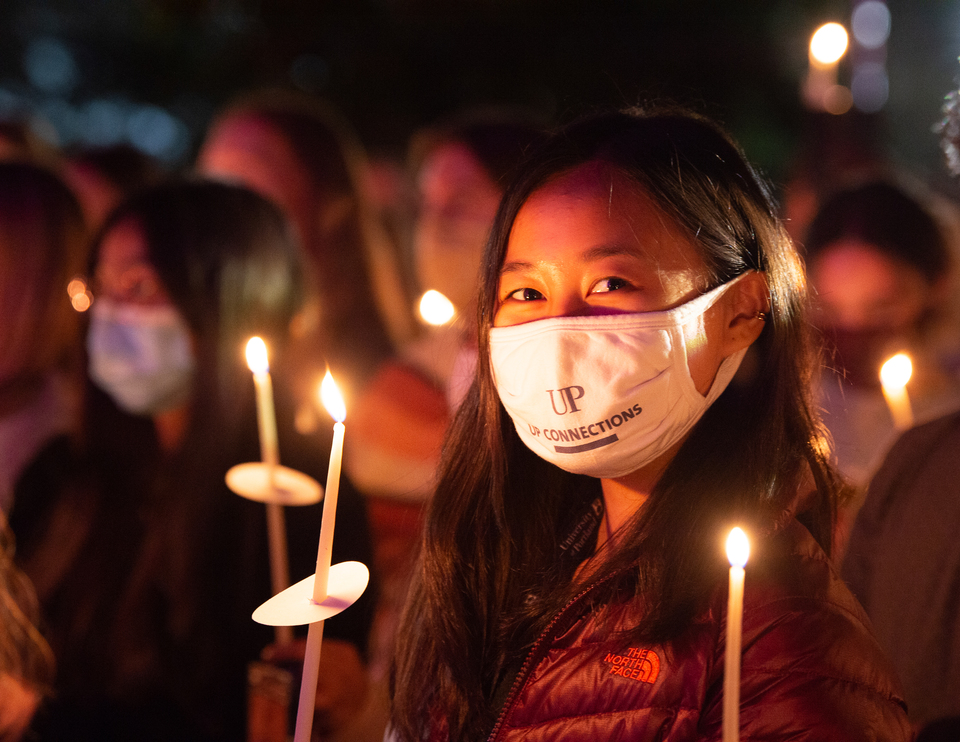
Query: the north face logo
x=636, y=664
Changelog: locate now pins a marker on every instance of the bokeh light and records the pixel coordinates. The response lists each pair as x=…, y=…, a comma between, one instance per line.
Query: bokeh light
x=829, y=43
x=435, y=308
x=80, y=297
x=871, y=24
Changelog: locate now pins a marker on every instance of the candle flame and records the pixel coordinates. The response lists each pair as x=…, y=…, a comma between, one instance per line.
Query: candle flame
x=257, y=356
x=435, y=308
x=738, y=548
x=829, y=43
x=331, y=398
x=896, y=372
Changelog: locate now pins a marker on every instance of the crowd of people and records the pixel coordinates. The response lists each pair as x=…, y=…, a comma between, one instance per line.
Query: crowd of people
x=628, y=273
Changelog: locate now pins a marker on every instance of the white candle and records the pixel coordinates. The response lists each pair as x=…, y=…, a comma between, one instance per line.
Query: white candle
x=266, y=417
x=738, y=550
x=827, y=46
x=311, y=661
x=270, y=455
x=894, y=375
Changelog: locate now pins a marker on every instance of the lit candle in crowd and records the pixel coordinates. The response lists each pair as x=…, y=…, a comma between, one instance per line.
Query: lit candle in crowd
x=435, y=308
x=894, y=375
x=270, y=454
x=266, y=417
x=827, y=46
x=738, y=550
x=333, y=402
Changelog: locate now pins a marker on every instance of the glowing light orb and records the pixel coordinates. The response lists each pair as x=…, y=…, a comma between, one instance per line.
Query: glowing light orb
x=435, y=308
x=829, y=43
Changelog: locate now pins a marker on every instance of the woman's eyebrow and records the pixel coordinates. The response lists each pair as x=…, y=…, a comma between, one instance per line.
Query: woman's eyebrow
x=611, y=251
x=516, y=266
x=599, y=252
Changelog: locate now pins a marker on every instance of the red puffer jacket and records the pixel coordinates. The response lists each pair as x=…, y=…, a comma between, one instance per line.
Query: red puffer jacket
x=811, y=669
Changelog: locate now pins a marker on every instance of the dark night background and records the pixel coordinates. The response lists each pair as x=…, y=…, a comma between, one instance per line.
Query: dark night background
x=154, y=71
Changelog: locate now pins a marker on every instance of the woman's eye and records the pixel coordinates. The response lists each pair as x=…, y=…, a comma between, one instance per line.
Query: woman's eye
x=609, y=284
x=526, y=294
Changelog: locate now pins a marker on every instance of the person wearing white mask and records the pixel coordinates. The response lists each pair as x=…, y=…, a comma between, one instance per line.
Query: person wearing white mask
x=158, y=566
x=642, y=386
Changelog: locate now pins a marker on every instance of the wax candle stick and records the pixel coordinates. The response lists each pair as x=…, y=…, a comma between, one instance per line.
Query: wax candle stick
x=738, y=550
x=266, y=416
x=257, y=361
x=894, y=375
x=820, y=89
x=311, y=661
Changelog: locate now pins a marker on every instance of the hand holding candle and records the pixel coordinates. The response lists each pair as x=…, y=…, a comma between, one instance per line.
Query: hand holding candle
x=894, y=375
x=738, y=550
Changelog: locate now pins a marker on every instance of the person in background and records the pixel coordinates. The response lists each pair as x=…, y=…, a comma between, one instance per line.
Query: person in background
x=102, y=177
x=303, y=156
x=459, y=167
x=43, y=245
x=643, y=384
x=150, y=567
x=27, y=665
x=882, y=272
x=903, y=560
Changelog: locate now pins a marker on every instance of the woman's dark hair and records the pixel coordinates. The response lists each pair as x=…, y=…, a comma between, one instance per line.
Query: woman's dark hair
x=123, y=166
x=489, y=576
x=230, y=263
x=498, y=137
x=883, y=215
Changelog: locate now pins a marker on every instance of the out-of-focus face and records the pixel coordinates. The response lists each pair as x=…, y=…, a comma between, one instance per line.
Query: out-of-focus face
x=592, y=242
x=246, y=150
x=858, y=286
x=458, y=202
x=139, y=346
x=124, y=273
x=870, y=304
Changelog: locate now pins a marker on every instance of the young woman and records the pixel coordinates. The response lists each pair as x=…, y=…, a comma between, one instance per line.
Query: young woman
x=643, y=385
x=149, y=571
x=43, y=245
x=303, y=156
x=881, y=268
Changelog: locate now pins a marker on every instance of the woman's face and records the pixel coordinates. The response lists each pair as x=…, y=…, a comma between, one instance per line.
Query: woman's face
x=123, y=271
x=859, y=287
x=140, y=348
x=458, y=203
x=592, y=242
x=871, y=306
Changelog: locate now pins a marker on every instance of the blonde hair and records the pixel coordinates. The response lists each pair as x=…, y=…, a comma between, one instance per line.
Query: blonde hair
x=25, y=654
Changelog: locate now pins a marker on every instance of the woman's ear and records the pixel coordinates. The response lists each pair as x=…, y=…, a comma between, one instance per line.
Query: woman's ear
x=747, y=311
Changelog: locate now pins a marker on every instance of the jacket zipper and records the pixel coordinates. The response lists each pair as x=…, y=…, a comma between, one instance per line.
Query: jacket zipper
x=532, y=655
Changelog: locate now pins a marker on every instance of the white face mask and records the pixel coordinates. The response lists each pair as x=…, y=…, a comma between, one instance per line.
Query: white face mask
x=141, y=356
x=605, y=395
